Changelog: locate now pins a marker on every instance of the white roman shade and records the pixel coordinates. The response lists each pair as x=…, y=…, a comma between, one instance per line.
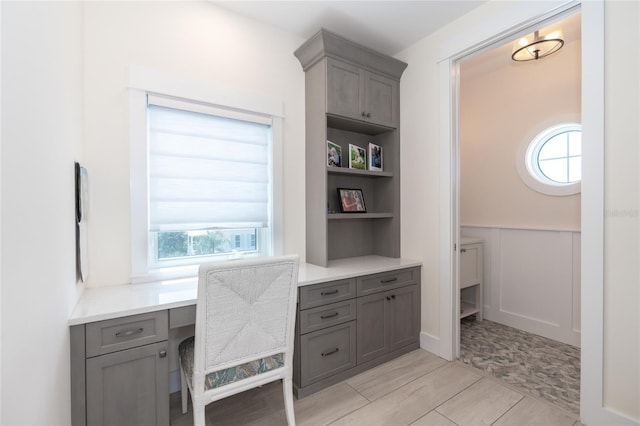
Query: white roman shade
x=208, y=167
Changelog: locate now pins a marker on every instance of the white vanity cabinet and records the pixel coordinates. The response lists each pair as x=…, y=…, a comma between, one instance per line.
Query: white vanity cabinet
x=471, y=273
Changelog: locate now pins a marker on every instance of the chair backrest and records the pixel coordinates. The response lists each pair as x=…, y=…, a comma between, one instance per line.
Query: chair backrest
x=245, y=311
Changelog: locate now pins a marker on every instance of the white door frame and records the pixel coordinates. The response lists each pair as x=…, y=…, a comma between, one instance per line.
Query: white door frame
x=521, y=18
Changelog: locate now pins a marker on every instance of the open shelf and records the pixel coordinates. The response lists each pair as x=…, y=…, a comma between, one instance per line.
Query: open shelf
x=348, y=124
x=340, y=216
x=356, y=172
x=468, y=309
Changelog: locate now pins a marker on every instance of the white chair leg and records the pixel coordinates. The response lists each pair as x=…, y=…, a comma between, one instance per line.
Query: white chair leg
x=287, y=390
x=198, y=413
x=184, y=391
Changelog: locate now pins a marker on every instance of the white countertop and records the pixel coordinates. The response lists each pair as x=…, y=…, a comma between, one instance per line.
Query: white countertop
x=101, y=303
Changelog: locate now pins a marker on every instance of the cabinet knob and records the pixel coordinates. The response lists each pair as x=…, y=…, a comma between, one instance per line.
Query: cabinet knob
x=393, y=296
x=463, y=250
x=162, y=353
x=368, y=115
x=388, y=298
x=364, y=114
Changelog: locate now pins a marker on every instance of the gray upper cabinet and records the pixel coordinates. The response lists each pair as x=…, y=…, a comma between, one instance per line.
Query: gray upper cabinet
x=352, y=96
x=345, y=89
x=381, y=100
x=361, y=95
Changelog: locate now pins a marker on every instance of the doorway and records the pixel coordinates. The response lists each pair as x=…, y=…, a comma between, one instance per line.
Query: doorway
x=515, y=230
x=522, y=22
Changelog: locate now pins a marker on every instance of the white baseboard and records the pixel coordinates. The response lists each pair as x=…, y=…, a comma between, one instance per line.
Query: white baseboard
x=431, y=343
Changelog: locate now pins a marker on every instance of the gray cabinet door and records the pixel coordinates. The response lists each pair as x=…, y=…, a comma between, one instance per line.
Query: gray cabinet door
x=373, y=333
x=387, y=321
x=130, y=387
x=404, y=317
x=382, y=100
x=362, y=95
x=345, y=86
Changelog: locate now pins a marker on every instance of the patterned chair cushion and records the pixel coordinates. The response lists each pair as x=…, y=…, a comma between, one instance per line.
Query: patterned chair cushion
x=228, y=375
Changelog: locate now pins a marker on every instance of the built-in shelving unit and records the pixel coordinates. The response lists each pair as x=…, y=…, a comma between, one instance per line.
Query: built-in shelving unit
x=352, y=97
x=349, y=325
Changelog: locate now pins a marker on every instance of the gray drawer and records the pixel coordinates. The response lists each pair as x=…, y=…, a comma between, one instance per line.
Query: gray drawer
x=387, y=280
x=327, y=352
x=325, y=316
x=107, y=336
x=322, y=294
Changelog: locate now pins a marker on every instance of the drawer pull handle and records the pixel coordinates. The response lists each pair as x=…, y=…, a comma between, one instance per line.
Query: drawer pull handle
x=162, y=353
x=331, y=352
x=130, y=332
x=335, y=314
x=328, y=293
x=390, y=280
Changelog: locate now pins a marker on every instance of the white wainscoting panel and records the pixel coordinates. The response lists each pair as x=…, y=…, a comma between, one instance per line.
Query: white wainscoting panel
x=532, y=280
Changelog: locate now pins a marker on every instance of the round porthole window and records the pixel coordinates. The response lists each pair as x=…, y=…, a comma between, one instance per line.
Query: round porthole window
x=552, y=163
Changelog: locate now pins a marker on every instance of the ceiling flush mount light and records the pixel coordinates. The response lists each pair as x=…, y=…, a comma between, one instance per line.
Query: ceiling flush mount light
x=533, y=47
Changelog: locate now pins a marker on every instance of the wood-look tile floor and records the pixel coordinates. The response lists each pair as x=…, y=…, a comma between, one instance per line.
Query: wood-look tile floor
x=416, y=389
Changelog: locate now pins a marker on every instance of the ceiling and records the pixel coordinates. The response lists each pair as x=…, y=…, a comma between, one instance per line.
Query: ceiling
x=387, y=26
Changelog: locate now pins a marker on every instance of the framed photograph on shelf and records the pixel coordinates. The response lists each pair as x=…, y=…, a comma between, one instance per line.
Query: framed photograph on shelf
x=357, y=157
x=375, y=157
x=351, y=200
x=334, y=154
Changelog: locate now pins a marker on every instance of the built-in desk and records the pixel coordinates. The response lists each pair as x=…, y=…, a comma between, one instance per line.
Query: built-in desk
x=120, y=337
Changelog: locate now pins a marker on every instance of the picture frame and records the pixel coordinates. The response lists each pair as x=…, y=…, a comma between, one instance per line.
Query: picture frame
x=357, y=157
x=334, y=154
x=375, y=157
x=351, y=200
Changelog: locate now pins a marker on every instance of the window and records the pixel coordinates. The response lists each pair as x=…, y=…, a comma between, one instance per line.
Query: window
x=552, y=163
x=189, y=196
x=209, y=175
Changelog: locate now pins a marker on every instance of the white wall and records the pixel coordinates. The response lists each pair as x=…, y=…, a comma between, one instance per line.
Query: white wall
x=189, y=40
x=503, y=105
x=421, y=223
x=530, y=277
x=622, y=232
x=420, y=115
x=532, y=280
x=41, y=138
x=0, y=217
